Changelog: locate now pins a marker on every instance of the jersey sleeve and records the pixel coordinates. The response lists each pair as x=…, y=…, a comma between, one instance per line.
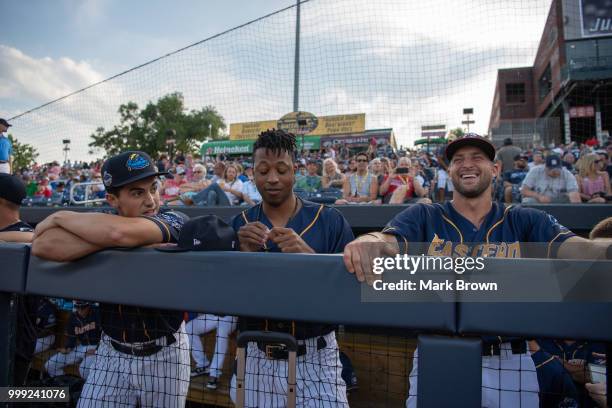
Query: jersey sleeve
x=170, y=224
x=343, y=234
x=543, y=227
x=408, y=225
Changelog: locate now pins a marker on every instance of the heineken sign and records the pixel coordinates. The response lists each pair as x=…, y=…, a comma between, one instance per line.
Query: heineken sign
x=230, y=147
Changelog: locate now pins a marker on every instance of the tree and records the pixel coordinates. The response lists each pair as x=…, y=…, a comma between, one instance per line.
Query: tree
x=457, y=132
x=147, y=129
x=24, y=155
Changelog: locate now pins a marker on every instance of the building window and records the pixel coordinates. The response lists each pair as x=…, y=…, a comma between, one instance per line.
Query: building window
x=545, y=83
x=515, y=93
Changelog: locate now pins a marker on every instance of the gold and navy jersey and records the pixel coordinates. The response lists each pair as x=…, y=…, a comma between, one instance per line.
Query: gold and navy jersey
x=323, y=228
x=445, y=232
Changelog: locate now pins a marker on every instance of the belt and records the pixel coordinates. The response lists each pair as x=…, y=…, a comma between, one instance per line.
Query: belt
x=276, y=351
x=493, y=349
x=144, y=350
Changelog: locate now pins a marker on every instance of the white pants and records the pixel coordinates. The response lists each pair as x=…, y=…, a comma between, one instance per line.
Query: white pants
x=5, y=168
x=319, y=378
x=44, y=343
x=204, y=324
x=444, y=181
x=508, y=380
x=55, y=365
x=123, y=380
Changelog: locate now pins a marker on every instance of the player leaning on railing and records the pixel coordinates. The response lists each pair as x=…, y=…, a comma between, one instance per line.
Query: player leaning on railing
x=470, y=218
x=143, y=356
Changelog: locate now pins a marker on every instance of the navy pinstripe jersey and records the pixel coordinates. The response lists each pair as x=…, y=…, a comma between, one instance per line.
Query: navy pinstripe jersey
x=323, y=228
x=446, y=232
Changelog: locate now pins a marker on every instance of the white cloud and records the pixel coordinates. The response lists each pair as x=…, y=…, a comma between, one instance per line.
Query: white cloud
x=42, y=79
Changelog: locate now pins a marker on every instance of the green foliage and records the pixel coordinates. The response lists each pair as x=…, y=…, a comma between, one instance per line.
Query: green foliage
x=24, y=155
x=458, y=132
x=148, y=129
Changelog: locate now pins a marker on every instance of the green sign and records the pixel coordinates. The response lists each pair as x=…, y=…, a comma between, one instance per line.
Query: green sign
x=230, y=147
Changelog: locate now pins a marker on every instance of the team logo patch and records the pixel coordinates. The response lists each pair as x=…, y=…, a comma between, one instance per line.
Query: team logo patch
x=136, y=162
x=107, y=179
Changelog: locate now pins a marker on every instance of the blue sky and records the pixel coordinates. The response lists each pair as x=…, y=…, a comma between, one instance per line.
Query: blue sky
x=404, y=63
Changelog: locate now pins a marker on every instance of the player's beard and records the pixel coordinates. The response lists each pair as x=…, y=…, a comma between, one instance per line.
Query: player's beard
x=473, y=191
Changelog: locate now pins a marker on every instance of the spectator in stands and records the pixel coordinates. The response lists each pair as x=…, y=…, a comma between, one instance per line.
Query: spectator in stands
x=218, y=171
x=400, y=186
x=568, y=162
x=513, y=179
x=550, y=183
x=12, y=193
x=376, y=168
x=537, y=159
x=352, y=166
x=423, y=177
x=311, y=182
x=332, y=178
x=301, y=170
x=84, y=328
x=384, y=149
x=445, y=184
x=231, y=185
x=172, y=186
x=44, y=190
x=360, y=187
x=344, y=152
x=250, y=194
x=608, y=167
x=6, y=149
x=506, y=154
x=162, y=163
x=593, y=183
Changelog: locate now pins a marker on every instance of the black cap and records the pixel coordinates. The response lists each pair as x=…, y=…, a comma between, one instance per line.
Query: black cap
x=470, y=139
x=128, y=167
x=205, y=233
x=5, y=123
x=81, y=303
x=11, y=188
x=553, y=162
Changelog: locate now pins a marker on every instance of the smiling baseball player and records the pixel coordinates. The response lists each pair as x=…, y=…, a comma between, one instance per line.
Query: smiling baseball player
x=143, y=356
x=462, y=227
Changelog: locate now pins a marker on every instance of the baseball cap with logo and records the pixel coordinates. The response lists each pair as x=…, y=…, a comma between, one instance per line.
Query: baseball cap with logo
x=11, y=188
x=470, y=139
x=553, y=162
x=204, y=233
x=128, y=167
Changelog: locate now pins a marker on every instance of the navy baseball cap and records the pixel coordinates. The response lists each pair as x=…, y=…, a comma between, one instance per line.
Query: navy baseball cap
x=470, y=139
x=11, y=188
x=553, y=162
x=128, y=167
x=204, y=233
x=81, y=303
x=5, y=123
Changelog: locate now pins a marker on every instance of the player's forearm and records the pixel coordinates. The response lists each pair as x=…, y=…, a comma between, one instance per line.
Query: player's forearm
x=57, y=244
x=107, y=230
x=528, y=192
x=580, y=248
x=16, y=236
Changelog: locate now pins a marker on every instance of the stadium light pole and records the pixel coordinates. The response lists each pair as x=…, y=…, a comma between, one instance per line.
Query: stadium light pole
x=210, y=130
x=296, y=66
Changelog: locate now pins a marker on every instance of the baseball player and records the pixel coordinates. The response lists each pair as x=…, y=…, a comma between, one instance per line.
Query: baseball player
x=466, y=226
x=202, y=324
x=143, y=356
x=12, y=193
x=285, y=223
x=84, y=326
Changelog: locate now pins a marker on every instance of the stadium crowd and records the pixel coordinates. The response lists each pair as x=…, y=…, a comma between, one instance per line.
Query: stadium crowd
x=380, y=174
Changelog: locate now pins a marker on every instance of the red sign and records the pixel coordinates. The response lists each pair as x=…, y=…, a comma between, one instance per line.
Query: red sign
x=582, y=111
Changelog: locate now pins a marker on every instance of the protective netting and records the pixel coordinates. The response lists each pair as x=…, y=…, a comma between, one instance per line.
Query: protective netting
x=405, y=64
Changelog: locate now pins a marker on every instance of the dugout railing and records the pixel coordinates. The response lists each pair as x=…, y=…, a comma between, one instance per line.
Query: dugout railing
x=577, y=217
x=309, y=287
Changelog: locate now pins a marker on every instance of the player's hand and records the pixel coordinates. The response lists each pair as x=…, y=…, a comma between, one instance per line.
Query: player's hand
x=577, y=370
x=359, y=256
x=289, y=241
x=44, y=225
x=598, y=393
x=253, y=236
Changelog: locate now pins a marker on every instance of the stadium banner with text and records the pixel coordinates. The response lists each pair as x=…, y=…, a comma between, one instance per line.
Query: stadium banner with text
x=359, y=139
x=596, y=18
x=246, y=146
x=327, y=125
